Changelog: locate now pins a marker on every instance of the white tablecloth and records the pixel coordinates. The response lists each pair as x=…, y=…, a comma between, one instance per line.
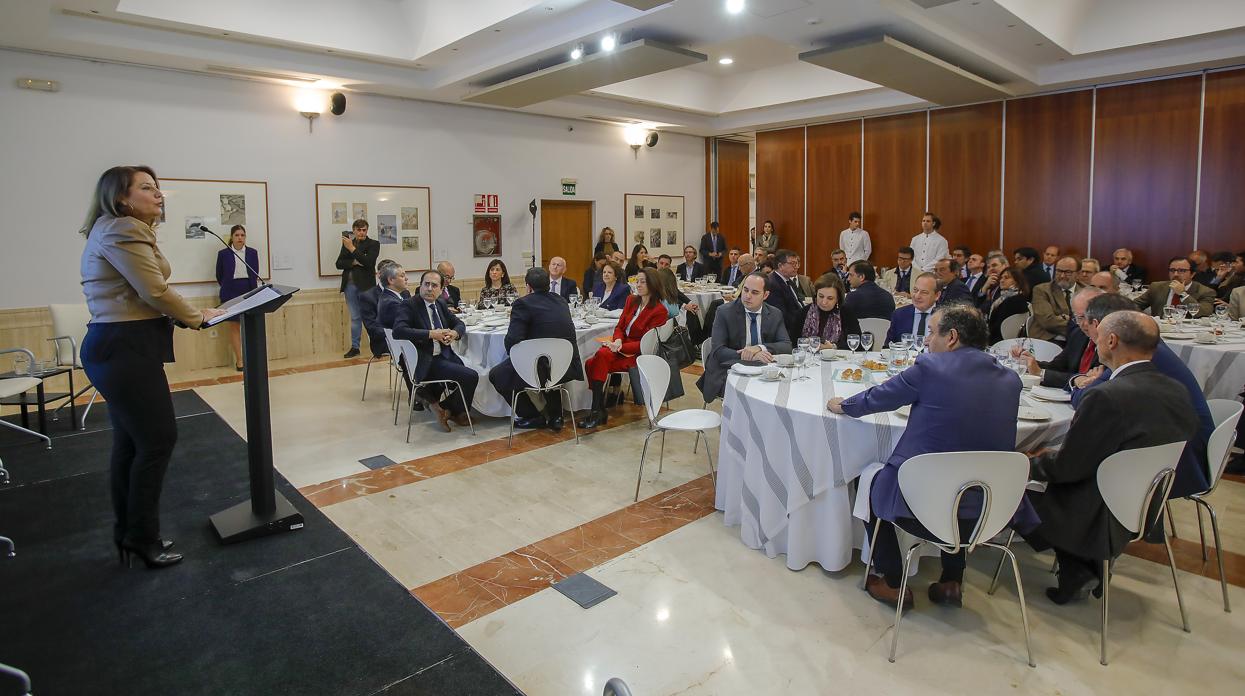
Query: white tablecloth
x=486, y=348
x=784, y=462
x=1219, y=368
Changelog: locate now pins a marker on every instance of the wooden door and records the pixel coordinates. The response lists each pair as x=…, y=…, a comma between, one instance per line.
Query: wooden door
x=566, y=231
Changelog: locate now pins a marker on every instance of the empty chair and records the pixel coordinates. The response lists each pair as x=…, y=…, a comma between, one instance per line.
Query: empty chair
x=68, y=329
x=410, y=355
x=1011, y=326
x=1042, y=350
x=878, y=327
x=14, y=386
x=524, y=357
x=933, y=484
x=655, y=378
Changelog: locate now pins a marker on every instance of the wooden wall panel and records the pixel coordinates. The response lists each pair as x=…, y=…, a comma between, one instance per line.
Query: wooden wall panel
x=733, y=192
x=894, y=174
x=780, y=185
x=1046, y=175
x=965, y=173
x=1145, y=169
x=833, y=190
x=1221, y=226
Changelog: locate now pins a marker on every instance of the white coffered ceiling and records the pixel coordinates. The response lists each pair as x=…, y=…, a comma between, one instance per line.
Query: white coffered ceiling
x=461, y=51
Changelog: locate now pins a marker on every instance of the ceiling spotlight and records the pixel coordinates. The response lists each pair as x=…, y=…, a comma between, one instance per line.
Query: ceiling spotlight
x=577, y=52
x=734, y=6
x=608, y=42
x=725, y=60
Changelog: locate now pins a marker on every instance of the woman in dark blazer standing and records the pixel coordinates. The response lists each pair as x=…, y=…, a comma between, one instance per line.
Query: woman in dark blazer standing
x=234, y=279
x=128, y=340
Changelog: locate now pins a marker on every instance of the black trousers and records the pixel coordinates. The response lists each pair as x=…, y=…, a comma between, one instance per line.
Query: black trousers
x=887, y=556
x=125, y=362
x=506, y=381
x=447, y=366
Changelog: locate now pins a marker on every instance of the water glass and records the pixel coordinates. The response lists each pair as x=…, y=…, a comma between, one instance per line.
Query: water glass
x=866, y=341
x=22, y=365
x=1221, y=312
x=853, y=342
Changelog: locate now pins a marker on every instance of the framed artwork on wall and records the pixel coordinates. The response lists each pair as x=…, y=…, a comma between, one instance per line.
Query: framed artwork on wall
x=217, y=204
x=485, y=235
x=399, y=217
x=654, y=220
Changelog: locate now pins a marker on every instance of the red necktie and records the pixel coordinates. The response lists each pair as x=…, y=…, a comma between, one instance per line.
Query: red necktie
x=1087, y=358
x=1176, y=299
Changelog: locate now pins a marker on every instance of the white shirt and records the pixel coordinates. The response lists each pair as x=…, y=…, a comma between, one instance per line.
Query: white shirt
x=857, y=245
x=1116, y=372
x=239, y=269
x=928, y=249
x=916, y=321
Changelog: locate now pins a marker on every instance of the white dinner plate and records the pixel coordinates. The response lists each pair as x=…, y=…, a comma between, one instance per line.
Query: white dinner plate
x=749, y=370
x=1178, y=336
x=495, y=321
x=1033, y=413
x=1049, y=394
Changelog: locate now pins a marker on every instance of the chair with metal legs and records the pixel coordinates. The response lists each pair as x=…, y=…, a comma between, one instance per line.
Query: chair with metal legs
x=14, y=386
x=525, y=356
x=69, y=326
x=648, y=346
x=706, y=347
x=655, y=378
x=932, y=486
x=410, y=356
x=368, y=371
x=16, y=675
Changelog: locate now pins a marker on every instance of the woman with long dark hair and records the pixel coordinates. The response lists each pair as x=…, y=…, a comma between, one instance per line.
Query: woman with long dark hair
x=828, y=319
x=606, y=243
x=1012, y=299
x=497, y=285
x=234, y=279
x=128, y=340
x=639, y=261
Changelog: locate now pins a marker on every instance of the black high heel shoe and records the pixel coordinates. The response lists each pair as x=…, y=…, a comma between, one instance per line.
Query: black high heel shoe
x=165, y=545
x=154, y=555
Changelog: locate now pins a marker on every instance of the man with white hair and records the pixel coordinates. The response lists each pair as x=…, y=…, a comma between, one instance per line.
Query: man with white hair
x=559, y=284
x=1123, y=267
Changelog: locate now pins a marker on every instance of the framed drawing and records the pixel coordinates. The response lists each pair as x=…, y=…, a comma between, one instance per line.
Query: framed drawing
x=217, y=205
x=397, y=216
x=654, y=220
x=485, y=235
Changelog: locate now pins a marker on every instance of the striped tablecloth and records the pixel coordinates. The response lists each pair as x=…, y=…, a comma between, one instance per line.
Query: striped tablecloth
x=1218, y=368
x=784, y=463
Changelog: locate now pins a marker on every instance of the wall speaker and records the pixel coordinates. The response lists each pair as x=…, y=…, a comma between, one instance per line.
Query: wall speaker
x=651, y=139
x=337, y=104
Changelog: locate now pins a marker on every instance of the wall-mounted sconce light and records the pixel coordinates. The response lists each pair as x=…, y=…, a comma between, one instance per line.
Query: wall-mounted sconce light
x=310, y=104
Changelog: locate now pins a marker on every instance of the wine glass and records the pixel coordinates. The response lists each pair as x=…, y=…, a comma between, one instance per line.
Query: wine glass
x=1221, y=312
x=1136, y=283
x=866, y=341
x=488, y=303
x=853, y=342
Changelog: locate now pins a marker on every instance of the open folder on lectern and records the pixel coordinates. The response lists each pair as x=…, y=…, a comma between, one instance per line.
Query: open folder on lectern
x=242, y=303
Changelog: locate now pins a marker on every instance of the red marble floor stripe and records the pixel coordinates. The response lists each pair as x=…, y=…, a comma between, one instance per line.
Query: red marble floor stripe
x=694, y=370
x=1188, y=555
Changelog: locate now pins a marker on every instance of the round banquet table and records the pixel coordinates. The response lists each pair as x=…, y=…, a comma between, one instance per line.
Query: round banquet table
x=784, y=462
x=485, y=348
x=1219, y=368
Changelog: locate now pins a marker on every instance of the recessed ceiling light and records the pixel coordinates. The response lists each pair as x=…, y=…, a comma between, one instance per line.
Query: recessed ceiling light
x=608, y=42
x=734, y=6
x=725, y=60
x=1011, y=26
x=577, y=52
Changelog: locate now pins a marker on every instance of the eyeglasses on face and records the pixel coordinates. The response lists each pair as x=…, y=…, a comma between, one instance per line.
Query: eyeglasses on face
x=1178, y=270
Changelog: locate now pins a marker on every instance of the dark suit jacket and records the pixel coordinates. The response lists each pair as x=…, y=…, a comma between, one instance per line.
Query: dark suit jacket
x=362, y=276
x=567, y=287
x=713, y=265
x=412, y=324
x=730, y=334
x=544, y=315
x=388, y=307
x=901, y=323
x=455, y=296
x=618, y=296
x=1035, y=275
x=1134, y=272
x=1067, y=364
x=1191, y=475
x=698, y=269
x=1155, y=298
x=850, y=324
x=977, y=285
x=369, y=301
x=731, y=275
x=955, y=292
x=591, y=278
x=231, y=287
x=1016, y=304
x=781, y=296
x=1142, y=408
x=870, y=302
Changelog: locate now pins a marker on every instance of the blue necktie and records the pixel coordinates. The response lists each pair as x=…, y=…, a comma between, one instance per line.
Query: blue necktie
x=754, y=332
x=436, y=317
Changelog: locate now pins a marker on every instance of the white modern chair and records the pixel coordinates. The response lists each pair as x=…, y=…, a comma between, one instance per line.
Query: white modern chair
x=1011, y=326
x=14, y=386
x=648, y=346
x=1130, y=482
x=388, y=354
x=1042, y=350
x=525, y=355
x=395, y=373
x=878, y=327
x=655, y=378
x=1225, y=413
x=706, y=347
x=410, y=355
x=933, y=484
x=68, y=329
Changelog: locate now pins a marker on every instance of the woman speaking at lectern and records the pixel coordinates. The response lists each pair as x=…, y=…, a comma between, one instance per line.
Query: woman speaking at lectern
x=128, y=340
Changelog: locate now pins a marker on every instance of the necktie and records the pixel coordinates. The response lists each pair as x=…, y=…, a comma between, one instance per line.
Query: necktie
x=1087, y=358
x=1067, y=296
x=920, y=327
x=754, y=332
x=1175, y=299
x=436, y=317
x=795, y=288
x=557, y=287
x=714, y=240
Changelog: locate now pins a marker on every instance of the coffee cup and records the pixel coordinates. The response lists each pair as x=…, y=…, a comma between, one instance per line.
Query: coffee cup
x=1205, y=337
x=784, y=359
x=827, y=353
x=1030, y=381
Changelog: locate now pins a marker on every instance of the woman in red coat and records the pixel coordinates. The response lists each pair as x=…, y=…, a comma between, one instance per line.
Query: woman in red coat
x=642, y=312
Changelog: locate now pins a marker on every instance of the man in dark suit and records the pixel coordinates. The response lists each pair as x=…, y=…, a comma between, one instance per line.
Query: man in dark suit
x=392, y=297
x=369, y=300
x=559, y=284
x=1026, y=259
x=867, y=300
x=712, y=247
x=785, y=290
x=946, y=417
x=1079, y=355
x=1124, y=268
x=732, y=275
x=1050, y=256
x=900, y=277
x=1181, y=289
x=425, y=321
x=357, y=262
x=914, y=318
x=748, y=329
x=951, y=290
x=1138, y=407
x=838, y=266
x=975, y=275
x=451, y=294
x=690, y=269
x=538, y=314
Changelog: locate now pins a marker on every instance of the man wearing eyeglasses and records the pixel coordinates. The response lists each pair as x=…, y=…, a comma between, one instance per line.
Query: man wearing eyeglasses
x=449, y=293
x=1052, y=302
x=786, y=292
x=1180, y=290
x=1079, y=358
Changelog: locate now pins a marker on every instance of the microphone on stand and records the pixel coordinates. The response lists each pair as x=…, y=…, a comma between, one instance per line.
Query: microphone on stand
x=229, y=247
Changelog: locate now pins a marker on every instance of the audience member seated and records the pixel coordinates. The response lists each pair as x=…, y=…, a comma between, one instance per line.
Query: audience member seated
x=928, y=244
x=369, y=301
x=914, y=318
x=1049, y=258
x=644, y=311
x=1202, y=270
x=497, y=286
x=712, y=248
x=1105, y=281
x=1138, y=407
x=961, y=253
x=867, y=300
x=749, y=329
x=538, y=314
x=1236, y=304
x=638, y=262
x=592, y=276
x=612, y=290
x=785, y=291
x=747, y=265
x=838, y=265
x=393, y=297
x=559, y=284
x=677, y=304
x=1052, y=303
x=1079, y=355
x=951, y=290
x=664, y=263
x=1181, y=290
x=425, y=321
x=975, y=275
x=996, y=263
x=1026, y=259
x=1229, y=274
x=1087, y=270
x=1191, y=476
x=619, y=258
x=947, y=416
x=732, y=275
x=690, y=269
x=828, y=319
x=899, y=278
x=452, y=296
x=1124, y=268
x=1010, y=298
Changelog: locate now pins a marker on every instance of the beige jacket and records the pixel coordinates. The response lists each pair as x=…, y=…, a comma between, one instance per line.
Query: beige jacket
x=1050, y=311
x=125, y=277
x=1157, y=296
x=1236, y=304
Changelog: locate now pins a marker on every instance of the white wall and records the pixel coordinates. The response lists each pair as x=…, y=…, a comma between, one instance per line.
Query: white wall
x=54, y=147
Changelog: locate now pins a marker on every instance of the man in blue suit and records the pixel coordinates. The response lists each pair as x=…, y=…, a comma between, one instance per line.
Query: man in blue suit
x=559, y=284
x=947, y=388
x=369, y=301
x=785, y=292
x=392, y=295
x=428, y=323
x=1191, y=473
x=915, y=318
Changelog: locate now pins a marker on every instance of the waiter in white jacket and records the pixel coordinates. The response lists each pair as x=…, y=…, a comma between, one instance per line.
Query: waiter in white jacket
x=855, y=241
x=929, y=246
